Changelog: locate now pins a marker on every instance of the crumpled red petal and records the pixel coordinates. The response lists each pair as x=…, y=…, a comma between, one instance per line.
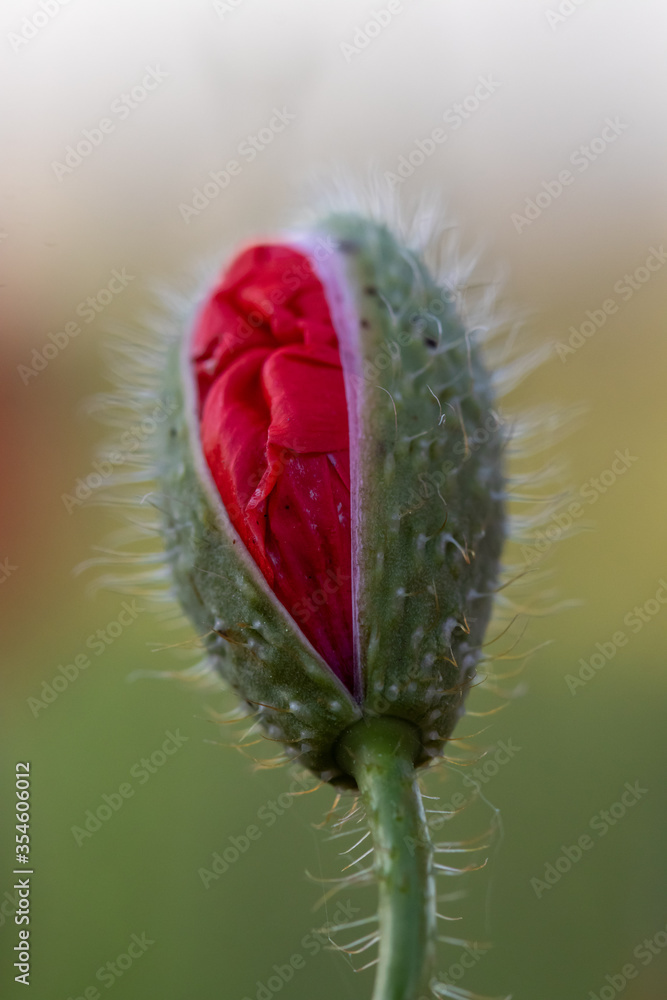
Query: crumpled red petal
x=274, y=433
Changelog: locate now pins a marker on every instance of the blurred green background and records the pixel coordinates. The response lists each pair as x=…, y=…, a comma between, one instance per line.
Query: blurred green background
x=227, y=66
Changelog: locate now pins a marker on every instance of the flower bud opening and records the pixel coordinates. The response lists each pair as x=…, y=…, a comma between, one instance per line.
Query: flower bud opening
x=274, y=432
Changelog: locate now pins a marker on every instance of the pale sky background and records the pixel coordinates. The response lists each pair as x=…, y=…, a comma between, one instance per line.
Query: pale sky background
x=228, y=66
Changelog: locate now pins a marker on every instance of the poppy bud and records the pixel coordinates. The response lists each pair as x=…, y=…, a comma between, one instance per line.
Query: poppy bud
x=333, y=488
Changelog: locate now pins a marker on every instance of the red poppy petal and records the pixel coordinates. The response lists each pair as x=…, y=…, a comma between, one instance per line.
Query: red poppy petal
x=307, y=399
x=274, y=432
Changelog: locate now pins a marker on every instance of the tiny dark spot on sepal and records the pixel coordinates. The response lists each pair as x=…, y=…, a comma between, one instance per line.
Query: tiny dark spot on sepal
x=430, y=342
x=348, y=246
x=370, y=290
x=365, y=324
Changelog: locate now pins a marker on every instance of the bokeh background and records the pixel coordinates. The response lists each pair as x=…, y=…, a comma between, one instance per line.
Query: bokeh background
x=361, y=99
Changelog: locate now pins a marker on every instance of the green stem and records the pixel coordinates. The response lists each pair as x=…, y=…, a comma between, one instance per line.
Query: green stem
x=380, y=754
